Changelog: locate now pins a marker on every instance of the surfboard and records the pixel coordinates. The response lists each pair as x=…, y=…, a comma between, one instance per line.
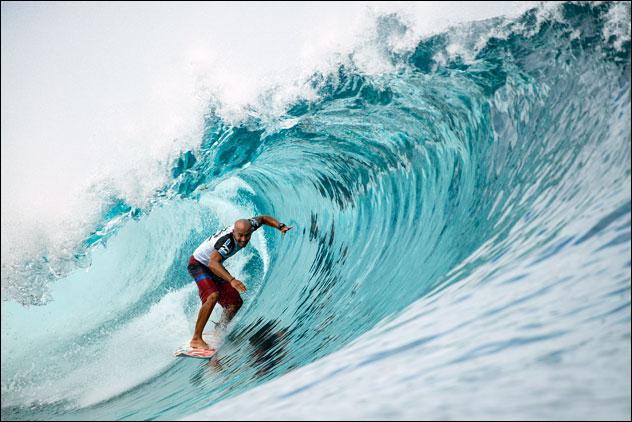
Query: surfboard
x=195, y=353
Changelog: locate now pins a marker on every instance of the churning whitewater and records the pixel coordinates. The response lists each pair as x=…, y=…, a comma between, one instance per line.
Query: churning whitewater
x=461, y=247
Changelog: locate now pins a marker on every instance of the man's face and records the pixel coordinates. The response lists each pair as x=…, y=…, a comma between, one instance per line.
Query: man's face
x=242, y=237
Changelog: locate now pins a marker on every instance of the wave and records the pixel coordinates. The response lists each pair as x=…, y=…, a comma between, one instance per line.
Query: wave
x=496, y=145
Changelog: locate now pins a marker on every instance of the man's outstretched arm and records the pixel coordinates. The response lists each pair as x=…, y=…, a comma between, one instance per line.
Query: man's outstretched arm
x=272, y=222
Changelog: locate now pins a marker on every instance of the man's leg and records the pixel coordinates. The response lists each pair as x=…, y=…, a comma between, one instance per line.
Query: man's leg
x=228, y=314
x=203, y=316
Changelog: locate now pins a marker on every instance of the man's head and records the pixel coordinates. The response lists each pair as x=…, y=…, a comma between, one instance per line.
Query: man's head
x=242, y=232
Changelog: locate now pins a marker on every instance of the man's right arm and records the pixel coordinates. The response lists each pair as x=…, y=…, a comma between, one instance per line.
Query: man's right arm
x=215, y=265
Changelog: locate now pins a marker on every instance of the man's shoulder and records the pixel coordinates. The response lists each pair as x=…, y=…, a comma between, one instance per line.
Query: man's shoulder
x=255, y=222
x=225, y=238
x=225, y=245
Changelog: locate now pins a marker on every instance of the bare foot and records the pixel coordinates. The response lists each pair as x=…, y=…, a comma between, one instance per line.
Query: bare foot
x=198, y=344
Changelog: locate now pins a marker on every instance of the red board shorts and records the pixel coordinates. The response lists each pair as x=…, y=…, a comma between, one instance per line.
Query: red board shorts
x=208, y=283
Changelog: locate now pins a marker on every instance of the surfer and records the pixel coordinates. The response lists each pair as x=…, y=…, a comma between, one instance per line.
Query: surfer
x=214, y=283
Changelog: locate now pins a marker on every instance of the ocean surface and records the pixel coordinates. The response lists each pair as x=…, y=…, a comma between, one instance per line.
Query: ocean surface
x=460, y=250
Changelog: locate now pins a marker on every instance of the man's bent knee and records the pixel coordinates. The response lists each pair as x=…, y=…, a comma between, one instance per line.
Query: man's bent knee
x=233, y=308
x=211, y=299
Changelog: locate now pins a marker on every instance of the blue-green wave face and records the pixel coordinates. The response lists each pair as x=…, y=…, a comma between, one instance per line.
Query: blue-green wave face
x=468, y=211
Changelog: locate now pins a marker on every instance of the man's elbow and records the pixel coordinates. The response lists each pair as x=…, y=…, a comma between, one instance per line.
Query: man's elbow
x=267, y=220
x=213, y=265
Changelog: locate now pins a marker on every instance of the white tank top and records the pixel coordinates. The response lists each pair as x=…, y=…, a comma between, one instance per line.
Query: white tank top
x=223, y=242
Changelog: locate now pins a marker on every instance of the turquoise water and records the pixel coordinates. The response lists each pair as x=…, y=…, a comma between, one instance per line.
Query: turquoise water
x=461, y=249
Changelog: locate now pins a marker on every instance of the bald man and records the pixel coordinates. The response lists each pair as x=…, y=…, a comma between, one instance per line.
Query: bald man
x=215, y=284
